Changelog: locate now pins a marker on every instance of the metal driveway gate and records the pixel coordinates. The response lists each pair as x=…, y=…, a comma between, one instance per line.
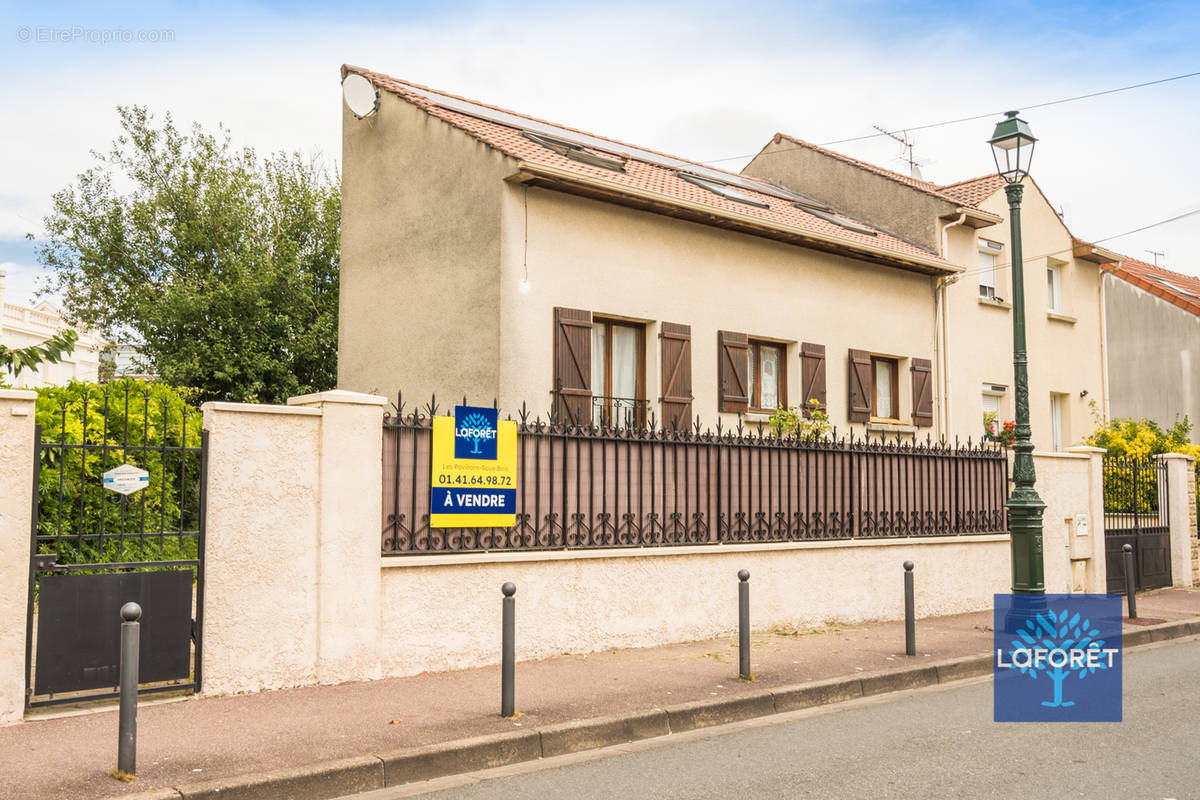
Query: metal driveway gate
x=1135, y=512
x=94, y=548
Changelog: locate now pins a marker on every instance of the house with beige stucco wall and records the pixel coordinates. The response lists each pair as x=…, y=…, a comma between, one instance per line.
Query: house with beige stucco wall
x=966, y=224
x=489, y=254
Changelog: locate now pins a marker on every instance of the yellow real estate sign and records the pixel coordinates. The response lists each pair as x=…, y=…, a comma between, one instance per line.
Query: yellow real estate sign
x=473, y=482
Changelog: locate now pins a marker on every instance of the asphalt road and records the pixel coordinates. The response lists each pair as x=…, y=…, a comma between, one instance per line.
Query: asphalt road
x=937, y=743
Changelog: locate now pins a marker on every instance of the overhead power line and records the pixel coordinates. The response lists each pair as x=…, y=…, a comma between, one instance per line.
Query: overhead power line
x=973, y=118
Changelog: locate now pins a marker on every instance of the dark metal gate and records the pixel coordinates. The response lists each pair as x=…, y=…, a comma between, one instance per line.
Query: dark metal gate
x=92, y=549
x=1135, y=512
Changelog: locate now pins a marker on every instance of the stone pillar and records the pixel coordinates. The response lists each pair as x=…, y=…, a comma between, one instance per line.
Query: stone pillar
x=348, y=545
x=16, y=507
x=260, y=562
x=1088, y=563
x=1181, y=506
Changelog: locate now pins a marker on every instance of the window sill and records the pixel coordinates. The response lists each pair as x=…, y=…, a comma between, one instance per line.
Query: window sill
x=757, y=416
x=1057, y=317
x=992, y=303
x=890, y=426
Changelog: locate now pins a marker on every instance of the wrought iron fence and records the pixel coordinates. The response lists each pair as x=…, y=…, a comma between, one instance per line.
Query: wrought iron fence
x=1134, y=489
x=596, y=486
x=84, y=433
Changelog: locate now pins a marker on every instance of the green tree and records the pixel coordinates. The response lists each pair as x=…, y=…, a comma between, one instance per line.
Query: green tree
x=222, y=266
x=17, y=360
x=123, y=422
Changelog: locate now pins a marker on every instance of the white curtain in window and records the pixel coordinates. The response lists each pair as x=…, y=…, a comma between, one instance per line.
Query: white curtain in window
x=599, y=338
x=770, y=378
x=624, y=362
x=883, y=390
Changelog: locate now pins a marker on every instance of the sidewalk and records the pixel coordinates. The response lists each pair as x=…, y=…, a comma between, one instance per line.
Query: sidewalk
x=194, y=742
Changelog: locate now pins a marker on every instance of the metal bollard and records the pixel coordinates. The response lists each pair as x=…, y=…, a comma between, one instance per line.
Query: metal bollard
x=744, y=624
x=910, y=611
x=508, y=649
x=1130, y=580
x=127, y=723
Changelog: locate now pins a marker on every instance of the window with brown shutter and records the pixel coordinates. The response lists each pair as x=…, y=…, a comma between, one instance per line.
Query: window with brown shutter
x=732, y=361
x=922, y=387
x=766, y=375
x=676, y=374
x=812, y=378
x=572, y=365
x=862, y=385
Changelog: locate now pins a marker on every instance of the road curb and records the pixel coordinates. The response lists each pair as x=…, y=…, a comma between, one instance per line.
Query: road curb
x=380, y=770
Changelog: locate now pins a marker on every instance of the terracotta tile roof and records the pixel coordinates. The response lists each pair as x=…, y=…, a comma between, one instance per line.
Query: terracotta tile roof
x=909, y=181
x=1178, y=289
x=974, y=191
x=641, y=174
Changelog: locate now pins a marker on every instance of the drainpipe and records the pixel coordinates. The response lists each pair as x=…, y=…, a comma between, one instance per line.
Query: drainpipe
x=1103, y=344
x=941, y=325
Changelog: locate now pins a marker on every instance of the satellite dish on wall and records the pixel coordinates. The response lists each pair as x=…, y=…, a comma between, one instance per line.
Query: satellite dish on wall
x=361, y=96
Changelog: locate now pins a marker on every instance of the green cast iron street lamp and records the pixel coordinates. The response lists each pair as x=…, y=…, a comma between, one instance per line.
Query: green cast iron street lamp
x=1012, y=146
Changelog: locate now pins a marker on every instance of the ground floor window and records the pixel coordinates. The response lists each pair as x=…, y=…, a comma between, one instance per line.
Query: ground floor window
x=885, y=398
x=618, y=373
x=766, y=375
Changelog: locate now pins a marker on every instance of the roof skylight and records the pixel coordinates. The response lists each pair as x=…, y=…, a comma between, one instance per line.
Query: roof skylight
x=1179, y=289
x=722, y=189
x=576, y=152
x=826, y=213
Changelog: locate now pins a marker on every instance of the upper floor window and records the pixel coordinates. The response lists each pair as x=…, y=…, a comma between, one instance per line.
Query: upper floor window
x=988, y=252
x=1054, y=287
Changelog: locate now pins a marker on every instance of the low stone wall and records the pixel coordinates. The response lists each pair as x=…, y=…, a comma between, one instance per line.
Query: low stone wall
x=297, y=592
x=443, y=612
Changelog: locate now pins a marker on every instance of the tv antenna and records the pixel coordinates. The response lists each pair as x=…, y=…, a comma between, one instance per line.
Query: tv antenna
x=914, y=166
x=1156, y=254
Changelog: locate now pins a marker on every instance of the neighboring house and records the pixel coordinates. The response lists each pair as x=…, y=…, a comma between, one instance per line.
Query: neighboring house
x=489, y=254
x=967, y=224
x=1153, y=346
x=126, y=361
x=22, y=326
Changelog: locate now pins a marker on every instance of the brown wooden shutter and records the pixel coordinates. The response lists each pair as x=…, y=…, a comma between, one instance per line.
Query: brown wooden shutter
x=573, y=365
x=861, y=381
x=922, y=397
x=676, y=375
x=812, y=377
x=733, y=355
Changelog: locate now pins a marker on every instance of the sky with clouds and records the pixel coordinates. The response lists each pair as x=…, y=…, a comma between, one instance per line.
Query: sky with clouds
x=706, y=81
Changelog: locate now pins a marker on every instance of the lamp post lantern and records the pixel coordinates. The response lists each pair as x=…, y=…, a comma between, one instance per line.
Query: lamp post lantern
x=1012, y=146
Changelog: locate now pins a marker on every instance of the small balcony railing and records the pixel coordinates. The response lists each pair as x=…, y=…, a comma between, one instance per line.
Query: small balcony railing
x=619, y=412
